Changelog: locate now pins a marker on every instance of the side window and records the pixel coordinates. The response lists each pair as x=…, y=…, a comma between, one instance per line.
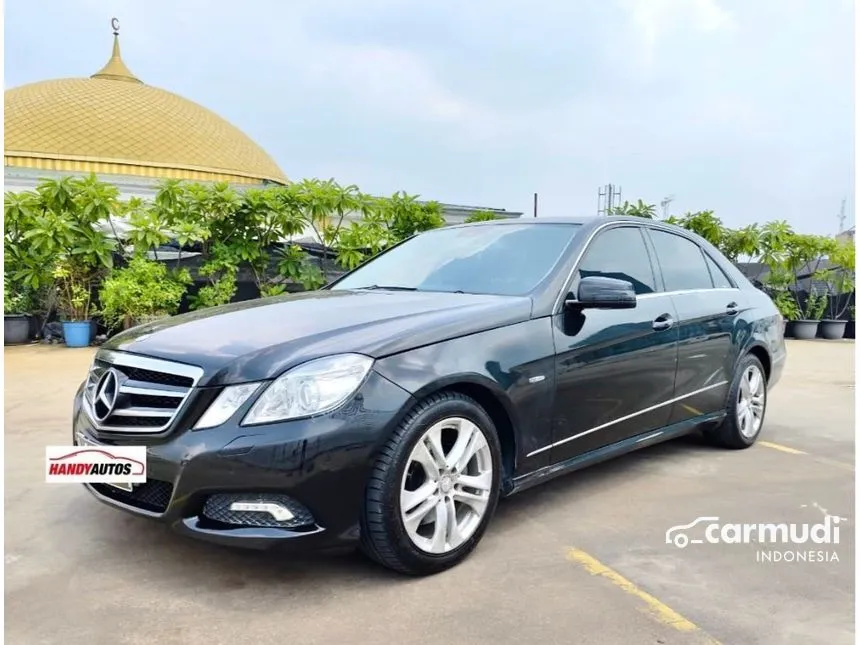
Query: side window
x=620, y=253
x=721, y=280
x=682, y=262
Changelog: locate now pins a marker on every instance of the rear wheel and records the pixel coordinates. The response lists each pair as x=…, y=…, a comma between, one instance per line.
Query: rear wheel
x=746, y=407
x=434, y=487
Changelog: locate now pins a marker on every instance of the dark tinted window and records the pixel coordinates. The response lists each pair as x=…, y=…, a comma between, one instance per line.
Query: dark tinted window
x=500, y=259
x=721, y=280
x=682, y=262
x=620, y=253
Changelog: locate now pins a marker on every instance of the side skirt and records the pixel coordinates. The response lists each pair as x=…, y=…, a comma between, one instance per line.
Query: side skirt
x=611, y=451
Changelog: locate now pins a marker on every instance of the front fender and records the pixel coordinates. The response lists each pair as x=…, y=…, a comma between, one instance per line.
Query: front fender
x=516, y=363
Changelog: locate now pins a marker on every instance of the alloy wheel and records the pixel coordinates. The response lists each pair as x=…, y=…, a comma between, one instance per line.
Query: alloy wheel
x=751, y=401
x=446, y=485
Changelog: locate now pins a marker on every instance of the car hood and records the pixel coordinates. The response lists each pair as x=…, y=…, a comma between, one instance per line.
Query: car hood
x=259, y=339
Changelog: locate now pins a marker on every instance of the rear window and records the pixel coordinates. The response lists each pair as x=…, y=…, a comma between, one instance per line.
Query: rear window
x=681, y=261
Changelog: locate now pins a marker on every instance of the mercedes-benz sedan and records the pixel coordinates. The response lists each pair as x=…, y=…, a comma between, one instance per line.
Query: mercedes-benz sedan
x=396, y=406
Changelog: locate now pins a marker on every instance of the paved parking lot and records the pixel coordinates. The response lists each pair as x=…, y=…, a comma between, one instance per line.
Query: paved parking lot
x=582, y=559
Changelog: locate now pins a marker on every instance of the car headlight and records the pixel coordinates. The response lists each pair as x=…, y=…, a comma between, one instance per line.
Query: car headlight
x=312, y=388
x=226, y=403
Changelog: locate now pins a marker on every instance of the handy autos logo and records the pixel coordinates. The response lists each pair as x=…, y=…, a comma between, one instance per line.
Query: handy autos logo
x=95, y=464
x=709, y=530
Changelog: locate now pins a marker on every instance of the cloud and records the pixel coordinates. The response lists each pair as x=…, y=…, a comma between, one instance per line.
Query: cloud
x=656, y=21
x=743, y=107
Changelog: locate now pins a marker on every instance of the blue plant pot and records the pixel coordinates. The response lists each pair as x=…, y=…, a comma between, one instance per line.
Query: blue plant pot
x=77, y=333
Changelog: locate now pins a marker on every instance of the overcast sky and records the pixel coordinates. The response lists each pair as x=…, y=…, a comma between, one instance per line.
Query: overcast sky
x=740, y=106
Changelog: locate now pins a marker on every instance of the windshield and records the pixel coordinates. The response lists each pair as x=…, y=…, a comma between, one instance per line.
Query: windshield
x=503, y=259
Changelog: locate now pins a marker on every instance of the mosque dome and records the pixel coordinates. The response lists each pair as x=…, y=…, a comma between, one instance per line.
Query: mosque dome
x=113, y=123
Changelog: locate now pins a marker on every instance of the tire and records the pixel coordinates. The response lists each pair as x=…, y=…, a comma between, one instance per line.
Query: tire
x=733, y=433
x=402, y=475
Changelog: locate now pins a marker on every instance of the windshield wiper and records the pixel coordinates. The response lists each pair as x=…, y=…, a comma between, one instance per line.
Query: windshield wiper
x=388, y=287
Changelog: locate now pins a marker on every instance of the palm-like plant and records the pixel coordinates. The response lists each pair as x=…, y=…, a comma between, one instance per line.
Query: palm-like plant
x=705, y=224
x=738, y=243
x=54, y=236
x=639, y=209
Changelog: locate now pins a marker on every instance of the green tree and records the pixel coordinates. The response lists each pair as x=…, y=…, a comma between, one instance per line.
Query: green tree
x=738, y=243
x=481, y=216
x=704, y=224
x=639, y=209
x=54, y=237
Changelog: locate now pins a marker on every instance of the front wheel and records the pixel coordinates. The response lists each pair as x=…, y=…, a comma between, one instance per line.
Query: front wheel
x=746, y=407
x=433, y=488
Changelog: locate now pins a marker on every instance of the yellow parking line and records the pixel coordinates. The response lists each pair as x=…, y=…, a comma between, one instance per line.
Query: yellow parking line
x=776, y=446
x=660, y=611
x=795, y=451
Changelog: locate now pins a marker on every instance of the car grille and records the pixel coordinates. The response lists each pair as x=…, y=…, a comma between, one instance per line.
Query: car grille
x=152, y=495
x=140, y=395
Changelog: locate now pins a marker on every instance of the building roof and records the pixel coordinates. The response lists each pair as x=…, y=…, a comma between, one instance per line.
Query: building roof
x=113, y=123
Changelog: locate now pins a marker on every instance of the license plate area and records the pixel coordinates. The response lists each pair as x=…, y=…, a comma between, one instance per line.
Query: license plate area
x=82, y=440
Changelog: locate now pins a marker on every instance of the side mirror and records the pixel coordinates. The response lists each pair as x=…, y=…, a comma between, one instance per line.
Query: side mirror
x=596, y=292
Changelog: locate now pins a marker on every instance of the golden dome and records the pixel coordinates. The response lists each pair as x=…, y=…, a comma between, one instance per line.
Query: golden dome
x=112, y=123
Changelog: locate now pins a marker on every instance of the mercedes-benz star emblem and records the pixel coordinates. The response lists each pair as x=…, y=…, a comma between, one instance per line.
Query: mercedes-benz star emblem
x=107, y=391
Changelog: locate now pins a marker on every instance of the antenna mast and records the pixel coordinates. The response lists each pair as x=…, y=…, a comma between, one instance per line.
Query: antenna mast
x=842, y=216
x=608, y=197
x=664, y=204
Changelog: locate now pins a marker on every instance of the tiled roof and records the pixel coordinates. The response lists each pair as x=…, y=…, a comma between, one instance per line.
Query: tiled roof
x=113, y=123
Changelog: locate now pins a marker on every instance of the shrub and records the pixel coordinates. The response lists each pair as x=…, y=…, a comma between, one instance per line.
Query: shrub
x=143, y=289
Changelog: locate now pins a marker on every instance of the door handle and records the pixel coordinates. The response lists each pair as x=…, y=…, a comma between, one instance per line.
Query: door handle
x=732, y=309
x=662, y=323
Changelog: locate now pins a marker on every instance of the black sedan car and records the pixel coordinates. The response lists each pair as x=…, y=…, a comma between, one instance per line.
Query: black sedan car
x=398, y=404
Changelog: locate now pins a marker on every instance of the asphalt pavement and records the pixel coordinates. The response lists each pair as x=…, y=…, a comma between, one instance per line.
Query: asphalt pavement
x=582, y=559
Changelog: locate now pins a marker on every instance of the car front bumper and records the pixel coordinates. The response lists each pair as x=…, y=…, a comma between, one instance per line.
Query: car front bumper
x=321, y=464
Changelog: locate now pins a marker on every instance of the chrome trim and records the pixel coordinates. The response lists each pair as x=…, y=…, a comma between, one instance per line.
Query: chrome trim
x=122, y=359
x=560, y=298
x=650, y=436
x=151, y=391
x=143, y=412
x=153, y=364
x=278, y=511
x=626, y=417
x=642, y=226
x=679, y=292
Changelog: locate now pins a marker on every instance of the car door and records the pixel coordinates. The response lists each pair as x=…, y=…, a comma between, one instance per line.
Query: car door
x=708, y=304
x=615, y=369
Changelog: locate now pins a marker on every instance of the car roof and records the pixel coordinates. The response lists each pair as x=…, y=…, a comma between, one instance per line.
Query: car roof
x=556, y=220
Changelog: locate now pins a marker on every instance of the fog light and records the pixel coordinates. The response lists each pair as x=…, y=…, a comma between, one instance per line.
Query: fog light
x=265, y=510
x=280, y=513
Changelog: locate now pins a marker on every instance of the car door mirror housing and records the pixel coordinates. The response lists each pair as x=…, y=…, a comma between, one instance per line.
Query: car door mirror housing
x=596, y=292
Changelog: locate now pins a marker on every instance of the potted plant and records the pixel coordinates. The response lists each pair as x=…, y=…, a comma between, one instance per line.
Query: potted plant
x=142, y=292
x=788, y=309
x=806, y=328
x=839, y=278
x=849, y=325
x=777, y=284
x=55, y=237
x=16, y=313
x=74, y=285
